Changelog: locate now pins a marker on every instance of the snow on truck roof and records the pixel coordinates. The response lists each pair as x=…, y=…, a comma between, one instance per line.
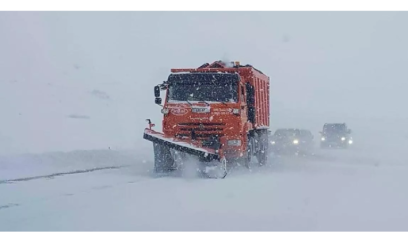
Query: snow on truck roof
x=217, y=65
x=203, y=77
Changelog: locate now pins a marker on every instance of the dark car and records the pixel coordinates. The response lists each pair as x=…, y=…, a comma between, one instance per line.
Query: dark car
x=335, y=135
x=291, y=141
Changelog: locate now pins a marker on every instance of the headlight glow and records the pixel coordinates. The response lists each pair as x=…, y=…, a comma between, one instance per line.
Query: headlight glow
x=295, y=141
x=272, y=142
x=343, y=138
x=350, y=141
x=323, y=138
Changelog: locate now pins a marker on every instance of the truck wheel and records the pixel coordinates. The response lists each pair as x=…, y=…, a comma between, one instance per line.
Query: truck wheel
x=163, y=159
x=262, y=154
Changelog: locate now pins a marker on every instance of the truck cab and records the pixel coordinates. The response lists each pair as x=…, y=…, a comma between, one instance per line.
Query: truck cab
x=219, y=108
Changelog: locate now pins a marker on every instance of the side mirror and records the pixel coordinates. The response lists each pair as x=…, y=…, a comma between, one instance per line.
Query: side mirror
x=158, y=101
x=157, y=91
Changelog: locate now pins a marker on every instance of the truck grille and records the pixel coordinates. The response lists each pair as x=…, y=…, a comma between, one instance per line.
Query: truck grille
x=202, y=130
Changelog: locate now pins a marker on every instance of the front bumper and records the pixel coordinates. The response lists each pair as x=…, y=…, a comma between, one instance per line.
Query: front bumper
x=195, y=147
x=180, y=145
x=336, y=142
x=285, y=147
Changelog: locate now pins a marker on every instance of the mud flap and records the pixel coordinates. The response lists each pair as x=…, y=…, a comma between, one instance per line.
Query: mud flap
x=215, y=170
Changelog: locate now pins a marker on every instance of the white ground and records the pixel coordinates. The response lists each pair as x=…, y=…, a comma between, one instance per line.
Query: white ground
x=335, y=190
x=72, y=99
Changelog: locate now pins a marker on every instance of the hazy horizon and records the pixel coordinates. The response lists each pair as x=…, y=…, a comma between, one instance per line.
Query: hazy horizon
x=102, y=66
x=76, y=89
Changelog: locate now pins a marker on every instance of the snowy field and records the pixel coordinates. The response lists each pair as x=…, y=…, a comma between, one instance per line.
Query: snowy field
x=333, y=190
x=76, y=90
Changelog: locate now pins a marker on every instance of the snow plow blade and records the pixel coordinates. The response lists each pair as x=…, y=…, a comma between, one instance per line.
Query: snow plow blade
x=192, y=147
x=179, y=145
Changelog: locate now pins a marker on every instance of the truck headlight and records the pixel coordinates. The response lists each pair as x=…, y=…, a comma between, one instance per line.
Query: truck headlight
x=295, y=141
x=235, y=142
x=343, y=138
x=165, y=111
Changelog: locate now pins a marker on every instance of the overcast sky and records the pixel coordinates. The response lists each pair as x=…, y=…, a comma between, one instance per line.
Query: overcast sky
x=324, y=66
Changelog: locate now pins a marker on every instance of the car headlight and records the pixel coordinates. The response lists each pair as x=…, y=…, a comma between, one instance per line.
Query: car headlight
x=295, y=141
x=272, y=142
x=323, y=138
x=165, y=111
x=350, y=141
x=343, y=138
x=235, y=142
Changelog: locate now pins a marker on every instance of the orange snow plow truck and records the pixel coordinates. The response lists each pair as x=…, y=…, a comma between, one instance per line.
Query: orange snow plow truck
x=218, y=113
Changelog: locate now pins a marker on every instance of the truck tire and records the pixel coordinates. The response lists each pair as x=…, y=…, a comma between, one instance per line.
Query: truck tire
x=262, y=154
x=163, y=159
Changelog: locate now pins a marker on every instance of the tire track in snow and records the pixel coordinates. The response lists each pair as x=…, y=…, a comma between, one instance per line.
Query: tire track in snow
x=51, y=176
x=9, y=205
x=76, y=193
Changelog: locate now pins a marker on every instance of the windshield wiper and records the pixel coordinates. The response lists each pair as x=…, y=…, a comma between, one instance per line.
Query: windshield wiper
x=204, y=102
x=189, y=103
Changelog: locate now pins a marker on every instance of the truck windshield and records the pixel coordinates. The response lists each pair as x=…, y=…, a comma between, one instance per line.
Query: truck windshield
x=203, y=87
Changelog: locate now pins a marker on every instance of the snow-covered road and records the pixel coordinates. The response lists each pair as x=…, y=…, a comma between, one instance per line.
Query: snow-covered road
x=76, y=90
x=336, y=190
